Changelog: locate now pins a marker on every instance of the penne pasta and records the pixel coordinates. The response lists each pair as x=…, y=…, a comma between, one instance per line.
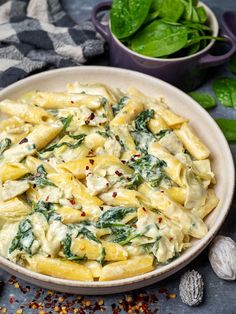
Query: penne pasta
x=97, y=185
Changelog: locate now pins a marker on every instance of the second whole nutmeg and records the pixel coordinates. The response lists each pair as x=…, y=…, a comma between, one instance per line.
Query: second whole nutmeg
x=222, y=256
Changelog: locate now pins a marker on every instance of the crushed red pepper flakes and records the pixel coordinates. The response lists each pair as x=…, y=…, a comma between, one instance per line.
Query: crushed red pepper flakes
x=114, y=194
x=61, y=303
x=82, y=214
x=91, y=161
x=118, y=173
x=72, y=201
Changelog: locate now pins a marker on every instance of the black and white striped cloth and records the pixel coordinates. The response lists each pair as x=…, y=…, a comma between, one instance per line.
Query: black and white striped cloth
x=36, y=35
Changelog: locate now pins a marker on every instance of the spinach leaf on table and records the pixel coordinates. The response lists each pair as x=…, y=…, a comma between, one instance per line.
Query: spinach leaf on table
x=127, y=16
x=232, y=64
x=228, y=127
x=204, y=99
x=159, y=39
x=225, y=91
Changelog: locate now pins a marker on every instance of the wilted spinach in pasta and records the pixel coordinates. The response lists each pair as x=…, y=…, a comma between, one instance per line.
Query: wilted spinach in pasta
x=95, y=181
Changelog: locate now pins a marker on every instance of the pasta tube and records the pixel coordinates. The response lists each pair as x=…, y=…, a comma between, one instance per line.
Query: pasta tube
x=59, y=268
x=192, y=142
x=124, y=269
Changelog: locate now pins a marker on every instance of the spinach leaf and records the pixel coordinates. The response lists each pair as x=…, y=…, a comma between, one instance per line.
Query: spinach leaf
x=113, y=216
x=4, y=145
x=160, y=39
x=107, y=133
x=24, y=238
x=171, y=9
x=40, y=178
x=150, y=169
x=66, y=122
x=102, y=257
x=134, y=181
x=142, y=120
x=82, y=230
x=121, y=103
x=123, y=234
x=66, y=243
x=127, y=16
x=162, y=133
x=228, y=127
x=232, y=64
x=204, y=99
x=142, y=140
x=225, y=91
x=47, y=209
x=80, y=138
x=202, y=16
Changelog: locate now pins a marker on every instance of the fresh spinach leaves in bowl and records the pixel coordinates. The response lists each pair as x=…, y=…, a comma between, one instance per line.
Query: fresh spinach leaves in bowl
x=161, y=28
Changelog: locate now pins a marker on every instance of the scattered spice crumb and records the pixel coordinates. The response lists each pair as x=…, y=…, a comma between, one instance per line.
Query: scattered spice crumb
x=62, y=303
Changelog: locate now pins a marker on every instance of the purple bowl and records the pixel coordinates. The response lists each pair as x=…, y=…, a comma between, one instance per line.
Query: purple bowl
x=229, y=24
x=186, y=72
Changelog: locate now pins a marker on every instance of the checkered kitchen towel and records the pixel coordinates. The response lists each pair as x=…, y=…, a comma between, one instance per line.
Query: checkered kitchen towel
x=37, y=34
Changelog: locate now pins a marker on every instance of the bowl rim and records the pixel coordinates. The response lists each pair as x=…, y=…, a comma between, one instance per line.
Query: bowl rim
x=182, y=260
x=215, y=30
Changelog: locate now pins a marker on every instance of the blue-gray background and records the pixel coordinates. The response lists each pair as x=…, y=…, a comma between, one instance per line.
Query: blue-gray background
x=220, y=296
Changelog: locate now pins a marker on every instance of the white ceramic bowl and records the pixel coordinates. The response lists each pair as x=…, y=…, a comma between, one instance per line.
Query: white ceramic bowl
x=182, y=104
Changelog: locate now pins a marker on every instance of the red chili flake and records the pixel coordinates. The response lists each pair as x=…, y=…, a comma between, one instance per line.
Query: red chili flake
x=144, y=209
x=47, y=198
x=114, y=194
x=137, y=155
x=87, y=167
x=171, y=239
x=24, y=140
x=117, y=137
x=161, y=191
x=123, y=161
x=159, y=220
x=118, y=173
x=11, y=299
x=91, y=153
x=91, y=161
x=91, y=117
x=132, y=159
x=72, y=201
x=72, y=101
x=83, y=214
x=101, y=207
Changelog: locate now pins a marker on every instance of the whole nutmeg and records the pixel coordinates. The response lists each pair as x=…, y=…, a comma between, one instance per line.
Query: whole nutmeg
x=191, y=288
x=222, y=256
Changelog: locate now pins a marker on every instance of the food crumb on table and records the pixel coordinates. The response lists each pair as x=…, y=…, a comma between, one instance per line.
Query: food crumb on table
x=48, y=302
